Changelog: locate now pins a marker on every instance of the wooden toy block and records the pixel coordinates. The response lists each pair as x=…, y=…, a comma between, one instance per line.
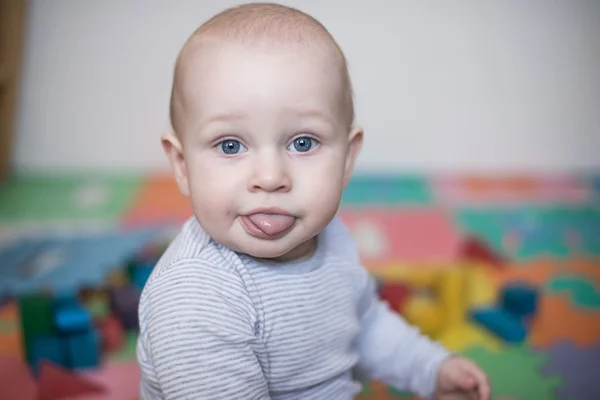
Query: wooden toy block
x=461, y=337
x=96, y=301
x=111, y=334
x=502, y=323
x=124, y=303
x=36, y=315
x=140, y=275
x=417, y=277
x=64, y=299
x=425, y=313
x=476, y=250
x=395, y=294
x=83, y=350
x=50, y=348
x=451, y=296
x=99, y=307
x=37, y=318
x=480, y=287
x=117, y=279
x=11, y=340
x=72, y=318
x=520, y=299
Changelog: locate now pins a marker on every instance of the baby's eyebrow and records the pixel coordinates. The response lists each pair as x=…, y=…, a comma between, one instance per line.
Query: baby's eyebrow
x=311, y=114
x=315, y=115
x=224, y=117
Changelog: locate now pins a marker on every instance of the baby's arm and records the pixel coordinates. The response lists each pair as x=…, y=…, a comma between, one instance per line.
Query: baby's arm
x=393, y=351
x=197, y=324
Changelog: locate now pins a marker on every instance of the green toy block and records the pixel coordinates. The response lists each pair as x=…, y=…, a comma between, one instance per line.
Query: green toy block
x=100, y=309
x=37, y=318
x=96, y=301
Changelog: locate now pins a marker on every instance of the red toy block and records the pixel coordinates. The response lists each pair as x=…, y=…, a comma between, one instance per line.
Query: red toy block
x=112, y=335
x=395, y=294
x=16, y=380
x=56, y=383
x=476, y=250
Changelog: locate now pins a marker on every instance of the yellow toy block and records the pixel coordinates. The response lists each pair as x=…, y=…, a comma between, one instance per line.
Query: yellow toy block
x=451, y=295
x=116, y=279
x=461, y=337
x=425, y=313
x=481, y=288
x=455, y=287
x=416, y=277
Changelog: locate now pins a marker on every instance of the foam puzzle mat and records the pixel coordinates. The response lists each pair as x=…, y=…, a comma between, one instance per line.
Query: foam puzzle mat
x=60, y=233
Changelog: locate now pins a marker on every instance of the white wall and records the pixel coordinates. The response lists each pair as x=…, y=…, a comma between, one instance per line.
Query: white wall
x=440, y=85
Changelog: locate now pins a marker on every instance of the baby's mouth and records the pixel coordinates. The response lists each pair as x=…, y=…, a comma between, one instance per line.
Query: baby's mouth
x=267, y=225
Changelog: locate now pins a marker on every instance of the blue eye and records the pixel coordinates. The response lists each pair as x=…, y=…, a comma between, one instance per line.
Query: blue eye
x=231, y=147
x=303, y=144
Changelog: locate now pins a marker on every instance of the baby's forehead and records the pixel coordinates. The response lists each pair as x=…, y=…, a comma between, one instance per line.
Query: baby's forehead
x=259, y=27
x=209, y=52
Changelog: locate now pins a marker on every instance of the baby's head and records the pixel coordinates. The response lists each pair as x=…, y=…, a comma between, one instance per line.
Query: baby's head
x=263, y=139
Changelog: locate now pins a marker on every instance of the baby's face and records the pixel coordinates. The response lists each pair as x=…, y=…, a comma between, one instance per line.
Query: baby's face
x=265, y=145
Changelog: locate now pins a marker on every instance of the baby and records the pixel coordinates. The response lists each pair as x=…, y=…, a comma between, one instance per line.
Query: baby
x=262, y=294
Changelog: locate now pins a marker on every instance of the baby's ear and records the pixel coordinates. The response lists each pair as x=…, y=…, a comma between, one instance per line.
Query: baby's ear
x=174, y=151
x=355, y=142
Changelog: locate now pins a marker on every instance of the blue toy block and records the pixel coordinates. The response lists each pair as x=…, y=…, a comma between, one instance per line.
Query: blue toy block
x=50, y=348
x=140, y=275
x=83, y=350
x=501, y=323
x=520, y=299
x=72, y=318
x=64, y=299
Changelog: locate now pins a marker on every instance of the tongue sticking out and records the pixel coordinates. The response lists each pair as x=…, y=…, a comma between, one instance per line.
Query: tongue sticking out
x=272, y=224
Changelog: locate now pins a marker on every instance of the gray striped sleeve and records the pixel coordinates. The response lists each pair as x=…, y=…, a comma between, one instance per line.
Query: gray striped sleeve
x=199, y=328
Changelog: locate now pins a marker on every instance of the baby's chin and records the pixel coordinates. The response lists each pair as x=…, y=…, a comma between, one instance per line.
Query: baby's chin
x=281, y=252
x=269, y=252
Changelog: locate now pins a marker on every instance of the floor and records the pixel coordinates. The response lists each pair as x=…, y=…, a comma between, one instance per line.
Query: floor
x=547, y=230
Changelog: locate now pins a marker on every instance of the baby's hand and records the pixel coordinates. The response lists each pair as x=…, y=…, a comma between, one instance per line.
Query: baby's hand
x=461, y=378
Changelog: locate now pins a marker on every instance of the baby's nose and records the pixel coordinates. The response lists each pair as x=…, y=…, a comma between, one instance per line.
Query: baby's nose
x=270, y=175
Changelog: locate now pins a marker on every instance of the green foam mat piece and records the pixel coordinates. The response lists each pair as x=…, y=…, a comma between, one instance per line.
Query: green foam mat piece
x=396, y=394
x=386, y=190
x=43, y=198
x=581, y=291
x=516, y=373
x=543, y=231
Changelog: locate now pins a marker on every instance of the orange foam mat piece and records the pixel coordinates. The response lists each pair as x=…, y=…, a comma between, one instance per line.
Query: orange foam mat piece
x=536, y=272
x=10, y=332
x=540, y=271
x=585, y=267
x=558, y=320
x=158, y=200
x=519, y=184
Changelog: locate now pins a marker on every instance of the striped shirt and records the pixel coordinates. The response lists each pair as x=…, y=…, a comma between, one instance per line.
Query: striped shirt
x=215, y=324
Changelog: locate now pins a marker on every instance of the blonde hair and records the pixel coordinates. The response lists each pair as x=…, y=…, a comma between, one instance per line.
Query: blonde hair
x=255, y=23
